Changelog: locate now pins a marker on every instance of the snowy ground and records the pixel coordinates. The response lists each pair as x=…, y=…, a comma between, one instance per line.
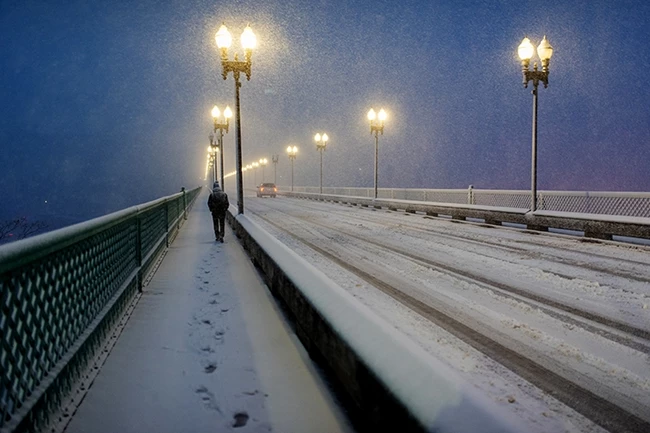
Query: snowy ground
x=207, y=350
x=579, y=309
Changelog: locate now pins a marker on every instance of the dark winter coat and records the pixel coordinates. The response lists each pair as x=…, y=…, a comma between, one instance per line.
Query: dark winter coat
x=218, y=201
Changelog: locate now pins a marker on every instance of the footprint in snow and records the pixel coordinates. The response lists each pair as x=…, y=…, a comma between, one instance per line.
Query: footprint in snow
x=240, y=419
x=210, y=368
x=208, y=398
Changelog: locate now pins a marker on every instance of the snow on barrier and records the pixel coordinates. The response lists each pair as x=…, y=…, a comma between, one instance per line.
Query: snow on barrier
x=62, y=294
x=394, y=383
x=597, y=226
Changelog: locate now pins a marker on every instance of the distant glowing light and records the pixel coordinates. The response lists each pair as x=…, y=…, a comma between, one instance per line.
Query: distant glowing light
x=382, y=115
x=227, y=113
x=215, y=112
x=372, y=115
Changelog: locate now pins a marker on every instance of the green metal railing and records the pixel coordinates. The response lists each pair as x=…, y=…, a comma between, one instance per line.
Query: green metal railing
x=61, y=294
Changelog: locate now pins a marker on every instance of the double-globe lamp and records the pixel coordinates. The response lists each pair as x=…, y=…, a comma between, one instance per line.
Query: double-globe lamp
x=377, y=126
x=321, y=144
x=292, y=151
x=237, y=67
x=213, y=149
x=220, y=126
x=263, y=162
x=275, y=159
x=525, y=51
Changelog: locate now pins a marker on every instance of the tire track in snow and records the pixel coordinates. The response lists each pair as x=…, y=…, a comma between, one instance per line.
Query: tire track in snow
x=598, y=409
x=549, y=256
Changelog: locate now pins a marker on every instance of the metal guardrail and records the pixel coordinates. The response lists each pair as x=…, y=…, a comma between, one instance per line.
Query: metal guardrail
x=60, y=295
x=635, y=204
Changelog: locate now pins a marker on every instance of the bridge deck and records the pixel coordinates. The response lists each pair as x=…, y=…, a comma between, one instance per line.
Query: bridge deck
x=206, y=349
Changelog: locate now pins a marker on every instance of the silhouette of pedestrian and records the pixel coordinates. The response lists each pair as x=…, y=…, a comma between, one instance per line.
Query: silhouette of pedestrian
x=218, y=204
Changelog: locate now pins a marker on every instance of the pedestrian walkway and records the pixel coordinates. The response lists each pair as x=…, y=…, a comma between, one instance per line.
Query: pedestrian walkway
x=207, y=350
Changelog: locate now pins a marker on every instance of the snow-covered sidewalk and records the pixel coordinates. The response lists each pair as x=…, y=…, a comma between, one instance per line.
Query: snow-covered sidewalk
x=207, y=350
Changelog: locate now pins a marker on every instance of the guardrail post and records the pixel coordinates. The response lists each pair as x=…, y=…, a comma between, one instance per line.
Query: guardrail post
x=470, y=194
x=138, y=249
x=178, y=213
x=184, y=203
x=167, y=224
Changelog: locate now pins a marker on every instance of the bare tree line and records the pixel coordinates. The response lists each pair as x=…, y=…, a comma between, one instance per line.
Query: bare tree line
x=20, y=228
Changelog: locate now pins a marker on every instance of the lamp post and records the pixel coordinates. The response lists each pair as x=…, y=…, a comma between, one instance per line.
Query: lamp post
x=249, y=168
x=292, y=151
x=263, y=162
x=221, y=127
x=274, y=160
x=321, y=144
x=376, y=126
x=237, y=67
x=212, y=150
x=255, y=165
x=525, y=51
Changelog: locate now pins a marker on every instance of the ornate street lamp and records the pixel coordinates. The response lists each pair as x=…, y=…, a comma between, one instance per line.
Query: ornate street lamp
x=255, y=165
x=237, y=67
x=248, y=167
x=321, y=144
x=221, y=127
x=263, y=162
x=376, y=126
x=292, y=152
x=208, y=164
x=274, y=160
x=212, y=151
x=544, y=51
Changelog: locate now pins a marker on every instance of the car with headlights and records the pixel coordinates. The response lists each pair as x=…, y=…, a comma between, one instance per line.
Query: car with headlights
x=268, y=189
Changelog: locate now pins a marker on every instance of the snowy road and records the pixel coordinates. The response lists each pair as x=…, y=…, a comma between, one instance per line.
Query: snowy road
x=554, y=327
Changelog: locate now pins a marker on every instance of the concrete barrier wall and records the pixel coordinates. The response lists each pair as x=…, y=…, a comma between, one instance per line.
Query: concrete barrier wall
x=593, y=225
x=394, y=384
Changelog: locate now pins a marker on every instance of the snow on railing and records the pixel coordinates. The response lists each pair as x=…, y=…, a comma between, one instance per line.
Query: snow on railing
x=62, y=292
x=636, y=204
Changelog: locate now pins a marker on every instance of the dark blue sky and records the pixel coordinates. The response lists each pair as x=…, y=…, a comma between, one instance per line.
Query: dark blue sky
x=108, y=105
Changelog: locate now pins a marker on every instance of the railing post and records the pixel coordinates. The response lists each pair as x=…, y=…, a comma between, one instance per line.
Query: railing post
x=167, y=224
x=138, y=249
x=184, y=203
x=470, y=194
x=178, y=213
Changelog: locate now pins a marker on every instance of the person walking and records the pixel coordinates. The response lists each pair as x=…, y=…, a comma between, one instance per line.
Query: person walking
x=218, y=205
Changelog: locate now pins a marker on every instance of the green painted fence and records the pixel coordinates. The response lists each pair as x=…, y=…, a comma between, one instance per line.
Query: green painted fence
x=62, y=292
